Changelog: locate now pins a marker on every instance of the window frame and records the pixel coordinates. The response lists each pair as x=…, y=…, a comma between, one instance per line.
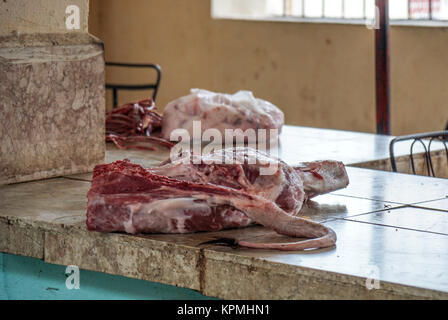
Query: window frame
x=421, y=22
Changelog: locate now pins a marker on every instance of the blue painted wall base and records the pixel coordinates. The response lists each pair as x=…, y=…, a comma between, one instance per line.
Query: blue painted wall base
x=32, y=279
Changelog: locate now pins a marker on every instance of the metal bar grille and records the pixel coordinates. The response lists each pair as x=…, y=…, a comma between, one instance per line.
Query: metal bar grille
x=416, y=9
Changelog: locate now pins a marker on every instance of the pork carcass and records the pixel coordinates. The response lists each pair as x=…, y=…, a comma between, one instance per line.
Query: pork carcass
x=220, y=111
x=187, y=195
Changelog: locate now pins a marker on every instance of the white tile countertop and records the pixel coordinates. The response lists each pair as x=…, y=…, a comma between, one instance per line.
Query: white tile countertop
x=391, y=228
x=302, y=144
x=357, y=149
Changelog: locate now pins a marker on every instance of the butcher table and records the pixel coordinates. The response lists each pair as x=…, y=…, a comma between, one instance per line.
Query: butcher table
x=392, y=238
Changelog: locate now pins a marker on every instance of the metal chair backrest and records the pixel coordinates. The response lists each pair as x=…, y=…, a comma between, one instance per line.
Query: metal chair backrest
x=441, y=136
x=116, y=87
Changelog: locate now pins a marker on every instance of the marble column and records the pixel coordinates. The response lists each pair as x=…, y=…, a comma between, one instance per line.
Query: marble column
x=52, y=104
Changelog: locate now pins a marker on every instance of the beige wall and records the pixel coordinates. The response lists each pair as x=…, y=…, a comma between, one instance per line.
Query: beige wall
x=320, y=75
x=39, y=16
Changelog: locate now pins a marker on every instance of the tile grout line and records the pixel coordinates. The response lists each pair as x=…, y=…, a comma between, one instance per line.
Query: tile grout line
x=395, y=227
x=444, y=198
x=427, y=208
x=384, y=201
x=363, y=198
x=375, y=211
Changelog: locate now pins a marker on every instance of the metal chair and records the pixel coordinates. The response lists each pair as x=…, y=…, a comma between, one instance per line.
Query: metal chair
x=441, y=136
x=115, y=87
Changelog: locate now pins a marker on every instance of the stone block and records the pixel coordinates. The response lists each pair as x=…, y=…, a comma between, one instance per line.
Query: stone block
x=52, y=109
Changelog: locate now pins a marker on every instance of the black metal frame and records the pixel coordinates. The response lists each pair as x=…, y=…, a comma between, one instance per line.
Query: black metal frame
x=115, y=87
x=382, y=69
x=441, y=136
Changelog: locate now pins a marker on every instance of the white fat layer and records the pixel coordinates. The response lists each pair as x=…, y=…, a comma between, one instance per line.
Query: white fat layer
x=237, y=218
x=274, y=189
x=174, y=170
x=128, y=225
x=97, y=201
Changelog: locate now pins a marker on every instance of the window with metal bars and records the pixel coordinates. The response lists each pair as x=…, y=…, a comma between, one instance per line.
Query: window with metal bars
x=330, y=10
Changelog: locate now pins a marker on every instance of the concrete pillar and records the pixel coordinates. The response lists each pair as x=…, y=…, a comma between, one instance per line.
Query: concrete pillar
x=51, y=88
